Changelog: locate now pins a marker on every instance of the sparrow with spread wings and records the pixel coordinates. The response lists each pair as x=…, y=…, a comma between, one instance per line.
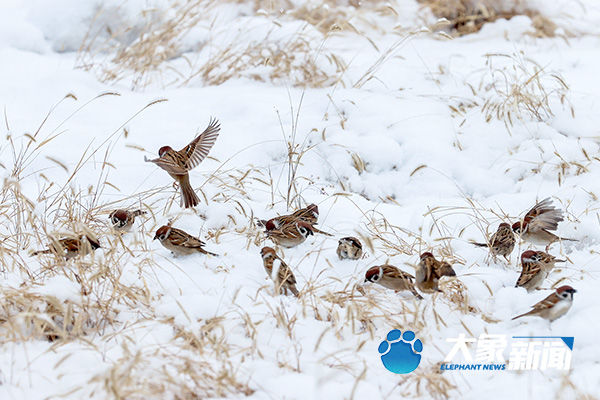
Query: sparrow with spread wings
x=179, y=163
x=538, y=223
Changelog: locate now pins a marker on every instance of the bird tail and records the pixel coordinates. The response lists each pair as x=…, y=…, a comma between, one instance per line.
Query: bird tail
x=37, y=252
x=519, y=316
x=137, y=213
x=479, y=244
x=212, y=254
x=189, y=198
x=569, y=239
x=293, y=290
x=417, y=295
x=320, y=231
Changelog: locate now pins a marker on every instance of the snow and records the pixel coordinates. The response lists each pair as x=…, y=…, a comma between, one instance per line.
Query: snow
x=433, y=179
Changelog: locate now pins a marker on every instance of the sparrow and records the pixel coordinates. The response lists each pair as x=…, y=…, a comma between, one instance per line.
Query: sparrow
x=349, y=247
x=536, y=267
x=179, y=163
x=554, y=306
x=122, y=220
x=429, y=271
x=180, y=242
x=290, y=234
x=391, y=277
x=538, y=222
x=309, y=215
x=279, y=272
x=500, y=243
x=70, y=247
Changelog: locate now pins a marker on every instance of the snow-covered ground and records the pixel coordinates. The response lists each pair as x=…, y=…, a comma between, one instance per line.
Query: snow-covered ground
x=421, y=143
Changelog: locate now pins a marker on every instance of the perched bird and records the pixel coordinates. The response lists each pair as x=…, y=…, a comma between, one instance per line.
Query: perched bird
x=279, y=272
x=391, y=277
x=122, y=220
x=70, y=247
x=180, y=242
x=349, y=247
x=429, y=271
x=500, y=243
x=179, y=163
x=536, y=267
x=309, y=215
x=554, y=306
x=538, y=222
x=290, y=235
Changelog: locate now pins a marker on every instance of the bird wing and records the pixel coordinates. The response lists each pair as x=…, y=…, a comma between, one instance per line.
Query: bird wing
x=285, y=274
x=547, y=303
x=198, y=148
x=530, y=269
x=172, y=162
x=543, y=216
x=181, y=238
x=392, y=271
x=502, y=236
x=443, y=269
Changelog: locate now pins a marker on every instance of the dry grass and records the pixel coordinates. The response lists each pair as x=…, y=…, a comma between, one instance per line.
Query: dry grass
x=462, y=17
x=95, y=290
x=518, y=88
x=155, y=54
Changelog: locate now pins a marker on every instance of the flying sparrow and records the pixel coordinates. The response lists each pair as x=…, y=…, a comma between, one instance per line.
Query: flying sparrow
x=500, y=243
x=70, y=247
x=309, y=215
x=349, y=247
x=538, y=222
x=554, y=306
x=290, y=235
x=391, y=277
x=180, y=242
x=429, y=271
x=279, y=272
x=536, y=267
x=179, y=163
x=122, y=220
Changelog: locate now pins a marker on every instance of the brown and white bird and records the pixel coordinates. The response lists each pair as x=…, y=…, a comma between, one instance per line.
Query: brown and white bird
x=391, y=277
x=70, y=247
x=538, y=222
x=309, y=215
x=349, y=248
x=279, y=272
x=501, y=243
x=429, y=271
x=554, y=306
x=179, y=163
x=122, y=220
x=290, y=234
x=536, y=267
x=179, y=242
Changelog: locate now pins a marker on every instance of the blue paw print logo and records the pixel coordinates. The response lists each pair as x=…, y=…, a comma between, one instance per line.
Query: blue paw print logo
x=400, y=353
